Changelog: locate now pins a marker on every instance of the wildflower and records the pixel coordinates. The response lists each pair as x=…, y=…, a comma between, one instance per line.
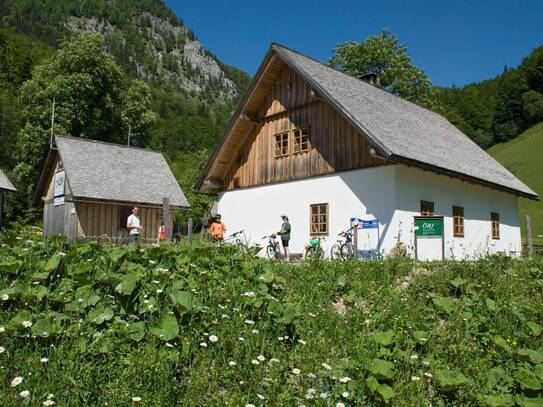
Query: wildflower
x=203, y=344
x=340, y=404
x=344, y=379
x=249, y=405
x=156, y=282
x=232, y=363
x=324, y=395
x=152, y=262
x=2, y=329
x=2, y=349
x=414, y=357
x=425, y=363
x=312, y=375
x=241, y=339
x=311, y=314
x=47, y=403
x=274, y=360
x=213, y=338
x=61, y=254
x=146, y=301
x=16, y=381
x=248, y=294
x=254, y=331
x=24, y=394
x=296, y=371
x=255, y=362
x=50, y=396
x=249, y=322
x=224, y=316
x=301, y=341
x=159, y=291
x=428, y=374
x=326, y=366
x=5, y=297
x=136, y=399
x=261, y=358
x=27, y=324
x=280, y=338
x=169, y=345
x=44, y=360
x=260, y=396
x=415, y=378
x=345, y=394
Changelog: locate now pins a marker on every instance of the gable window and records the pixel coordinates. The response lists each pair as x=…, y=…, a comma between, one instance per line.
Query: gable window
x=458, y=221
x=301, y=140
x=427, y=208
x=495, y=221
x=319, y=219
x=281, y=144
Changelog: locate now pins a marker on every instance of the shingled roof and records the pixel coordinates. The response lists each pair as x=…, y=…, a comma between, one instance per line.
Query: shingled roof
x=399, y=130
x=5, y=183
x=111, y=172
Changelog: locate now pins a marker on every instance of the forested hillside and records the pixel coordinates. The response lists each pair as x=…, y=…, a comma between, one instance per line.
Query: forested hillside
x=191, y=93
x=498, y=109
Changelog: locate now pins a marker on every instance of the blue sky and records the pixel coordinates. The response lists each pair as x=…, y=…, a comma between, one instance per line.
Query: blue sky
x=455, y=42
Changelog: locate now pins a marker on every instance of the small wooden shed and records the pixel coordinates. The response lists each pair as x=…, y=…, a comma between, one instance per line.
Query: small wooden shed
x=88, y=189
x=5, y=186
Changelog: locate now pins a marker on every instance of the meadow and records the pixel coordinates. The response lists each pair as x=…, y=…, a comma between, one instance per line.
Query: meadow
x=97, y=324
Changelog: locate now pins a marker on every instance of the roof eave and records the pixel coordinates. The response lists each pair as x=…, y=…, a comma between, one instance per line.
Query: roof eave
x=462, y=176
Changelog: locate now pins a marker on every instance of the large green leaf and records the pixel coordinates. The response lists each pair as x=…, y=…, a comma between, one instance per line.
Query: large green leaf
x=383, y=391
x=381, y=369
x=490, y=304
x=523, y=401
x=44, y=328
x=128, y=284
x=100, y=314
x=186, y=300
x=529, y=355
x=86, y=297
x=421, y=336
x=384, y=338
x=136, y=331
x=502, y=343
x=450, y=380
x=52, y=264
x=534, y=327
x=445, y=303
x=501, y=400
x=290, y=313
x=166, y=328
x=10, y=264
x=527, y=379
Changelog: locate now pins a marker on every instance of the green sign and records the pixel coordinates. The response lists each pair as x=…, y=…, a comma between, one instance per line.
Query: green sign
x=429, y=227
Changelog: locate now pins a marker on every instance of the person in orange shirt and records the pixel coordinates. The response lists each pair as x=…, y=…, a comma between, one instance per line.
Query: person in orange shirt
x=217, y=229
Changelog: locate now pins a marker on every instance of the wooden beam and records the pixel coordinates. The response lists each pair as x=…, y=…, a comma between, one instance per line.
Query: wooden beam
x=315, y=97
x=246, y=117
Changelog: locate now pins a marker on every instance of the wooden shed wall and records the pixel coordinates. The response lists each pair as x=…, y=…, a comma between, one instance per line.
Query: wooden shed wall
x=289, y=104
x=95, y=220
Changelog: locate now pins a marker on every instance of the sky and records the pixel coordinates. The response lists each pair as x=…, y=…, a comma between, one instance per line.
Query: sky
x=454, y=42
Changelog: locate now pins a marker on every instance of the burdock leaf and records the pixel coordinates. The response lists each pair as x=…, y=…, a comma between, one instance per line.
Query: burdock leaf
x=166, y=328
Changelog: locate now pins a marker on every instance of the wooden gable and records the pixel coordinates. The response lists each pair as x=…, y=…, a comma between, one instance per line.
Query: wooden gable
x=290, y=104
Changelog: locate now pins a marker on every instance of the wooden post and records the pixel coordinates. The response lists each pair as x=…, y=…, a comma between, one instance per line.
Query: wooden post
x=189, y=231
x=167, y=218
x=1, y=208
x=355, y=239
x=529, y=241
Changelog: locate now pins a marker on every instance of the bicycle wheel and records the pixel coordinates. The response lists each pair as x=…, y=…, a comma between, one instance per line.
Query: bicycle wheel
x=346, y=251
x=270, y=252
x=335, y=252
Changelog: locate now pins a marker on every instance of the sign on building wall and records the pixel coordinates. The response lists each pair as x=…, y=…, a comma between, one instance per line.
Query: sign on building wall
x=429, y=238
x=59, y=183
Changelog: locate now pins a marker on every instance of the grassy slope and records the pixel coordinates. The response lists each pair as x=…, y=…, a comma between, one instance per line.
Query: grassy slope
x=103, y=343
x=523, y=156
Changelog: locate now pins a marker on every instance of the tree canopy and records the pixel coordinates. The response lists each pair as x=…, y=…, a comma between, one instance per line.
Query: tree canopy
x=385, y=56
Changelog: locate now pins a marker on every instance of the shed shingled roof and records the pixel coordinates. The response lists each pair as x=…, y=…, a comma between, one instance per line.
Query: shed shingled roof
x=5, y=183
x=112, y=172
x=399, y=130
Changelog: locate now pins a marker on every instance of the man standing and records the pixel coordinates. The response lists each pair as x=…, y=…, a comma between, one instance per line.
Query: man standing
x=134, y=225
x=217, y=229
x=285, y=235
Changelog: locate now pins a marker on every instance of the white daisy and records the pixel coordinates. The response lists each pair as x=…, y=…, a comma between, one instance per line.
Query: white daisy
x=344, y=379
x=24, y=394
x=415, y=378
x=136, y=399
x=249, y=322
x=326, y=366
x=16, y=381
x=213, y=338
x=232, y=363
x=296, y=371
x=44, y=360
x=5, y=297
x=261, y=358
x=203, y=344
x=2, y=349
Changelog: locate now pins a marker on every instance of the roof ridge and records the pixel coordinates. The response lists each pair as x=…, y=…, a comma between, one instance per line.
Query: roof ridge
x=275, y=44
x=109, y=144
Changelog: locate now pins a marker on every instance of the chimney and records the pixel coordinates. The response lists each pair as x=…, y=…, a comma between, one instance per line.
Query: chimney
x=370, y=78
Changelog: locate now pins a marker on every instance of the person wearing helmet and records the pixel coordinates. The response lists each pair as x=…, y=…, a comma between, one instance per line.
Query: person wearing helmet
x=217, y=229
x=285, y=235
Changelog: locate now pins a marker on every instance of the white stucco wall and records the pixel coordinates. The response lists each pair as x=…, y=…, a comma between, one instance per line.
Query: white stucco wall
x=391, y=194
x=414, y=185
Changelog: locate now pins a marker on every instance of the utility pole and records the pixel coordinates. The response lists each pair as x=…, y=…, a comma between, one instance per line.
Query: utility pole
x=52, y=137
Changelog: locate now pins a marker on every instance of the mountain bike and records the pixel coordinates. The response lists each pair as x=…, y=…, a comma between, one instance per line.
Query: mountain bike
x=343, y=249
x=235, y=238
x=272, y=250
x=314, y=248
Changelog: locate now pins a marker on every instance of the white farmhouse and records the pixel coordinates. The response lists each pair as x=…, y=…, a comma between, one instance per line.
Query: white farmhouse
x=324, y=147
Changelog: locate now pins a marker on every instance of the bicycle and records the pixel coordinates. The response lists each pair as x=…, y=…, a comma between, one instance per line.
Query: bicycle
x=234, y=237
x=314, y=248
x=343, y=249
x=272, y=250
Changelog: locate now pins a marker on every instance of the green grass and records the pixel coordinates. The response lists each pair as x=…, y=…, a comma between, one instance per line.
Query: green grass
x=523, y=156
x=121, y=322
